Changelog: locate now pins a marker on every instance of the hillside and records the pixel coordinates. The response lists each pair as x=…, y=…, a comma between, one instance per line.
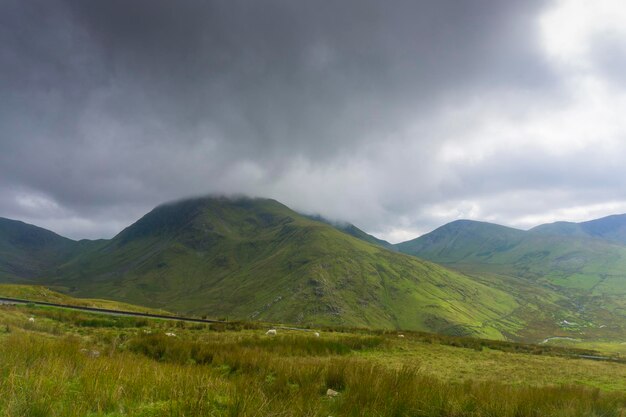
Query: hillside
x=586, y=276
x=567, y=260
x=257, y=259
x=26, y=251
x=352, y=230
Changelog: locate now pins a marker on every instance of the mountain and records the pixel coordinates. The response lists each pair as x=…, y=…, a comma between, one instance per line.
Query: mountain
x=257, y=259
x=461, y=239
x=611, y=228
x=245, y=258
x=553, y=252
x=562, y=260
x=584, y=274
x=26, y=251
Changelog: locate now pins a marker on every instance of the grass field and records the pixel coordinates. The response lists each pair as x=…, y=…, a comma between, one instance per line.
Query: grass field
x=69, y=363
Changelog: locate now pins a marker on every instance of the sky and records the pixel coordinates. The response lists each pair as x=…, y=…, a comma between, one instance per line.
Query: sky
x=397, y=116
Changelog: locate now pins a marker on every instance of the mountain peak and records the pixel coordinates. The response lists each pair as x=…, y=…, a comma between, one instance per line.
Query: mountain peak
x=611, y=228
x=27, y=250
x=460, y=238
x=27, y=235
x=222, y=214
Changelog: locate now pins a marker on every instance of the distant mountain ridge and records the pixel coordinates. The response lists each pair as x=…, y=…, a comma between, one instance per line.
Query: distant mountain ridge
x=460, y=239
x=611, y=228
x=352, y=230
x=546, y=247
x=584, y=263
x=26, y=250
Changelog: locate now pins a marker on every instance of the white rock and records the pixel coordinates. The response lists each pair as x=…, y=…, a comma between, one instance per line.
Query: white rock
x=271, y=332
x=170, y=334
x=91, y=353
x=331, y=393
x=401, y=336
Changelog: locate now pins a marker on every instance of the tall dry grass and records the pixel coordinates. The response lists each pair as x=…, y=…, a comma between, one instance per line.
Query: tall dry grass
x=155, y=375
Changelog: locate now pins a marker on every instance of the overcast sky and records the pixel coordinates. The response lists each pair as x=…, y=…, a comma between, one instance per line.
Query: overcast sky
x=397, y=116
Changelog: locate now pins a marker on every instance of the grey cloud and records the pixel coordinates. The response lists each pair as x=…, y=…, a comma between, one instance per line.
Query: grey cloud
x=111, y=107
x=609, y=58
x=511, y=185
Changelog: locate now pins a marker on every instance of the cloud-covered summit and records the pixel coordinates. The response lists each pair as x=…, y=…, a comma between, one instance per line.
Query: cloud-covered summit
x=396, y=116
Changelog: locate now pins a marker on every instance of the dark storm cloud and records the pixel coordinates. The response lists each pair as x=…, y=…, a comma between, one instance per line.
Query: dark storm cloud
x=282, y=77
x=110, y=107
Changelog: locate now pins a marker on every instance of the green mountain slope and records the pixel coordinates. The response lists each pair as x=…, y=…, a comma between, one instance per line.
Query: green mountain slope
x=567, y=261
x=257, y=259
x=352, y=230
x=611, y=228
x=586, y=276
x=27, y=251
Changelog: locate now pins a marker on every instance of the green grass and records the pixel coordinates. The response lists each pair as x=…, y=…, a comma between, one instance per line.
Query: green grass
x=51, y=368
